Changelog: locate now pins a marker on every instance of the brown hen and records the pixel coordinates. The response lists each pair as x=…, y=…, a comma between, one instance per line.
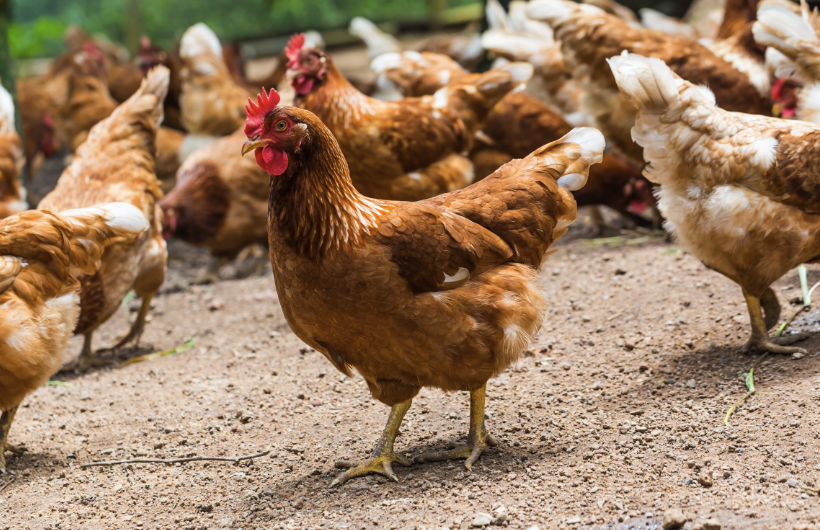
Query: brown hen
x=117, y=164
x=441, y=293
x=41, y=255
x=741, y=192
x=211, y=102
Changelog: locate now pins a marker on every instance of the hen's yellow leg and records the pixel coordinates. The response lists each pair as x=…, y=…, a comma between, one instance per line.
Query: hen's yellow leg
x=5, y=424
x=477, y=440
x=383, y=456
x=139, y=324
x=86, y=359
x=760, y=334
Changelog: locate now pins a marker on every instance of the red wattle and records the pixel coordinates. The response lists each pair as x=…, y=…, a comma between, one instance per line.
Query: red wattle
x=272, y=160
x=638, y=206
x=302, y=84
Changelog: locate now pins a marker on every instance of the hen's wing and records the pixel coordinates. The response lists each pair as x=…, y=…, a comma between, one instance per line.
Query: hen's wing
x=527, y=202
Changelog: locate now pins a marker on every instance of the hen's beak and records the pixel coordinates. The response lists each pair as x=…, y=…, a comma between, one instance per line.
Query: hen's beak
x=252, y=144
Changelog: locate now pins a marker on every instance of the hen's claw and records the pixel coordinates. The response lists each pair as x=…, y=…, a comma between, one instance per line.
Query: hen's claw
x=777, y=344
x=471, y=451
x=382, y=464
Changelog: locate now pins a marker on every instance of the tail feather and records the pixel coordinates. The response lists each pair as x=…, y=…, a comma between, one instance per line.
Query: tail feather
x=591, y=144
x=518, y=47
x=787, y=31
x=377, y=41
x=649, y=83
x=524, y=24
x=150, y=96
x=199, y=39
x=6, y=112
x=557, y=12
x=497, y=18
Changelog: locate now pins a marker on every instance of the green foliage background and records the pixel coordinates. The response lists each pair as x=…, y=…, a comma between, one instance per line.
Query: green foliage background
x=38, y=25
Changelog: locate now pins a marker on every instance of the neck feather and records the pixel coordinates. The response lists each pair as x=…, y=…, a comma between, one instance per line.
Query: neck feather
x=315, y=208
x=338, y=103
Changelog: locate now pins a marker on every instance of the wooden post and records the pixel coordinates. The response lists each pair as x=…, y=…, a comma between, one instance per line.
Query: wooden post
x=7, y=77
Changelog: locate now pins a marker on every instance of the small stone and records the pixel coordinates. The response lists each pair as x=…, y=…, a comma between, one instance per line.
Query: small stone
x=798, y=355
x=705, y=479
x=216, y=304
x=673, y=519
x=481, y=519
x=792, y=483
x=206, y=507
x=709, y=524
x=691, y=383
x=501, y=516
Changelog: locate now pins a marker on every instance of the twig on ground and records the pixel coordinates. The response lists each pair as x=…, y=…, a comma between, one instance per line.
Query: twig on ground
x=785, y=324
x=190, y=343
x=174, y=460
x=750, y=385
x=616, y=315
x=7, y=484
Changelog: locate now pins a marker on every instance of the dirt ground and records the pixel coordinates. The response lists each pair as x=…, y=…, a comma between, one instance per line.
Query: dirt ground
x=612, y=418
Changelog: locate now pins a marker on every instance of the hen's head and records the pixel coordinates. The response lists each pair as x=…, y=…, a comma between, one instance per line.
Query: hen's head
x=277, y=135
x=149, y=55
x=309, y=65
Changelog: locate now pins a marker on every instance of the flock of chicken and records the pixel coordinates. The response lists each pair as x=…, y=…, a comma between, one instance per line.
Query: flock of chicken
x=406, y=228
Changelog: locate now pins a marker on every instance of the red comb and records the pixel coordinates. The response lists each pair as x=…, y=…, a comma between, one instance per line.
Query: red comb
x=256, y=111
x=294, y=47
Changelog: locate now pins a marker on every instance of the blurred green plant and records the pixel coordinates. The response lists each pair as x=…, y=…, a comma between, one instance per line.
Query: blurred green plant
x=40, y=38
x=39, y=24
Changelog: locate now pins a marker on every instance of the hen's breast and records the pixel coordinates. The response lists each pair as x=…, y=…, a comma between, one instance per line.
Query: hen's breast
x=359, y=311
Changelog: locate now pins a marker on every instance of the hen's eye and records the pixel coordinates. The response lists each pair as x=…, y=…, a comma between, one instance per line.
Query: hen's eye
x=281, y=126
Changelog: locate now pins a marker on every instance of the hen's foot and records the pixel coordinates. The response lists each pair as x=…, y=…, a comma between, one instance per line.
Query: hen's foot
x=381, y=464
x=86, y=360
x=760, y=340
x=477, y=440
x=381, y=461
x=471, y=451
x=776, y=344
